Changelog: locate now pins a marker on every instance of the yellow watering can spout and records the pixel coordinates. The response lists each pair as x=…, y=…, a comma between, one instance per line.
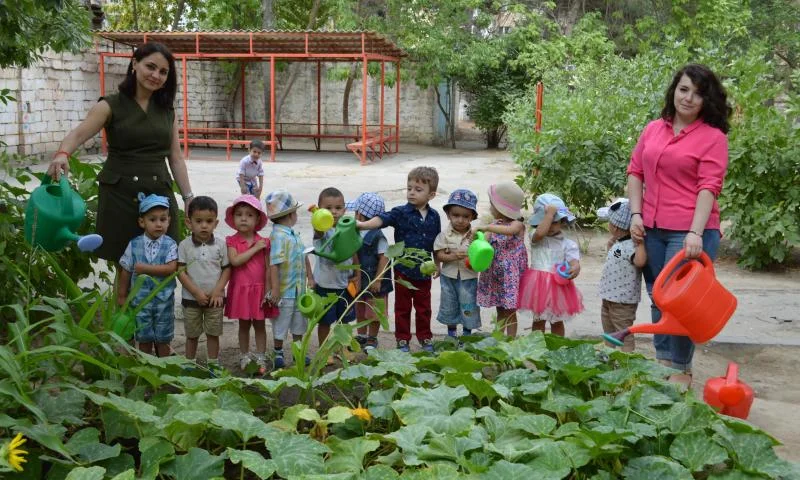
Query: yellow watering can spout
x=344, y=242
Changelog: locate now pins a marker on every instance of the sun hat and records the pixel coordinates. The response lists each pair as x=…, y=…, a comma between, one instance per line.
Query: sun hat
x=280, y=203
x=603, y=212
x=248, y=200
x=462, y=198
x=507, y=199
x=368, y=204
x=619, y=214
x=545, y=199
x=149, y=202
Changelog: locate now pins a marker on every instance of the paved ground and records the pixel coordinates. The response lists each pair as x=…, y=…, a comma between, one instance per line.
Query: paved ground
x=767, y=319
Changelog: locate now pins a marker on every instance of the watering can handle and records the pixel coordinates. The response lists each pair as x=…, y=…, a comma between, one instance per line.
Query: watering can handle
x=66, y=199
x=732, y=376
x=675, y=261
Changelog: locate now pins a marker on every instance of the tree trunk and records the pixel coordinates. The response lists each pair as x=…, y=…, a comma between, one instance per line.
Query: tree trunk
x=293, y=72
x=178, y=14
x=346, y=97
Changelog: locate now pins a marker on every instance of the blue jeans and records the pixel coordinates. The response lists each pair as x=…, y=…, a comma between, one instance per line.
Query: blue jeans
x=458, y=304
x=661, y=246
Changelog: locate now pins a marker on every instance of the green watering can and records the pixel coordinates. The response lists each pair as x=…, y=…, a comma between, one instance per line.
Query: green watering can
x=480, y=253
x=309, y=304
x=123, y=324
x=54, y=213
x=344, y=243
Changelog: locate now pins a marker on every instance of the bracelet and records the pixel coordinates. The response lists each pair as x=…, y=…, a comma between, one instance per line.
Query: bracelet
x=188, y=196
x=636, y=213
x=60, y=152
x=698, y=234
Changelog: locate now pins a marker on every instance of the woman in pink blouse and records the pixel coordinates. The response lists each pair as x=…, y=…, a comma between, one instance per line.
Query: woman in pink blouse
x=674, y=177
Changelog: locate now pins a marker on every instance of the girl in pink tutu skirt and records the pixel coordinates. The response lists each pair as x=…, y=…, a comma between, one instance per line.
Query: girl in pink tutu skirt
x=498, y=286
x=541, y=292
x=248, y=253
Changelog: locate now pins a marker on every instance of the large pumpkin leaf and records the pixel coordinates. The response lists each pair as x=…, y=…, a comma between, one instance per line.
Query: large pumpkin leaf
x=196, y=464
x=67, y=406
x=476, y=385
x=154, y=451
x=380, y=472
x=551, y=462
x=245, y=424
x=295, y=454
x=655, y=468
x=379, y=403
x=83, y=473
x=348, y=455
x=419, y=403
x=395, y=361
x=583, y=356
x=86, y=445
x=528, y=348
x=458, y=361
x=252, y=461
x=696, y=450
x=510, y=471
x=458, y=422
x=449, y=448
x=409, y=439
x=439, y=471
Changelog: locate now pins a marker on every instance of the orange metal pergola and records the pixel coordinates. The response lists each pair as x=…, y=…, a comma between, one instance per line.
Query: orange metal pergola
x=272, y=46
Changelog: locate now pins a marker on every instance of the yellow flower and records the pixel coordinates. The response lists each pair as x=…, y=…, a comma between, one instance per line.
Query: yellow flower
x=14, y=453
x=361, y=413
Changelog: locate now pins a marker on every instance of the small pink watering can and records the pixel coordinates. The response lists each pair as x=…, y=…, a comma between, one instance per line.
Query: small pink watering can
x=692, y=302
x=562, y=273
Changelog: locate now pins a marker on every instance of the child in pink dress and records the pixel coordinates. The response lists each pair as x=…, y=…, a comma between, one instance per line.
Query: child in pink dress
x=498, y=286
x=549, y=300
x=248, y=252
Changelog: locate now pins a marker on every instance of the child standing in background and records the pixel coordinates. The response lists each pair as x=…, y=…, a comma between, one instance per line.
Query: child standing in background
x=417, y=225
x=248, y=252
x=155, y=254
x=289, y=271
x=621, y=280
x=251, y=170
x=540, y=293
x=372, y=260
x=458, y=304
x=205, y=257
x=498, y=286
x=327, y=277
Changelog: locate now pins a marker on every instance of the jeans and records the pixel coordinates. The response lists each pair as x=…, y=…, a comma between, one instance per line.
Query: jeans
x=458, y=303
x=661, y=246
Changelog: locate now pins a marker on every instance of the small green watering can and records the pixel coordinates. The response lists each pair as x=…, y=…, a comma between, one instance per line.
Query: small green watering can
x=309, y=304
x=480, y=253
x=344, y=243
x=54, y=213
x=123, y=324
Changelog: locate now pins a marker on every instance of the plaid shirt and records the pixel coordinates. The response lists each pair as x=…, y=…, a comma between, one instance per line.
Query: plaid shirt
x=415, y=231
x=287, y=251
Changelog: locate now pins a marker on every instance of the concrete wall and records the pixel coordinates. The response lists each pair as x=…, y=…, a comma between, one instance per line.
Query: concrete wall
x=56, y=94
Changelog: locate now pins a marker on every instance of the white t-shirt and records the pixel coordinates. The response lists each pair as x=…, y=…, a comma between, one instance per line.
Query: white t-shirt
x=251, y=170
x=621, y=281
x=549, y=251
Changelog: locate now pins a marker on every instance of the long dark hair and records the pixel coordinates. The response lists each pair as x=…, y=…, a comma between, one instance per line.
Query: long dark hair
x=164, y=96
x=716, y=110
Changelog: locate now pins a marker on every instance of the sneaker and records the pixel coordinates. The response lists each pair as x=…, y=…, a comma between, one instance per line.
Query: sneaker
x=278, y=361
x=452, y=333
x=371, y=344
x=244, y=360
x=362, y=339
x=402, y=345
x=427, y=345
x=308, y=360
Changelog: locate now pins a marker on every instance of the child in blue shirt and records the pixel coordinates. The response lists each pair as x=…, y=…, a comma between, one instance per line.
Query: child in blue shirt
x=155, y=254
x=417, y=225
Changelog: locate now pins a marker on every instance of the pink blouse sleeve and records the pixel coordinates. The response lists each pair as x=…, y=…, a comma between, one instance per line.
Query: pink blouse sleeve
x=635, y=166
x=713, y=166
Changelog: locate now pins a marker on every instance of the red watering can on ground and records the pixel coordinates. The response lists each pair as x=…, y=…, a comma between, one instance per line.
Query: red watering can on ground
x=692, y=302
x=728, y=395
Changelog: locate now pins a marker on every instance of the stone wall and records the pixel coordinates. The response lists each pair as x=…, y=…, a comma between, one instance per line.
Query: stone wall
x=56, y=94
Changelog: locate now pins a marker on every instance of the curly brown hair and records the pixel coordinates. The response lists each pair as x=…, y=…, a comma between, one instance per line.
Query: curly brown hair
x=715, y=110
x=426, y=175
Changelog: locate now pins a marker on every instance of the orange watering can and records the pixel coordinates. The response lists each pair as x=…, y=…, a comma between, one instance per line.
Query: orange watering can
x=692, y=302
x=728, y=395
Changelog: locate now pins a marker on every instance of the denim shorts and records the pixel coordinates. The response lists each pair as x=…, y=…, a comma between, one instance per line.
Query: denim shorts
x=343, y=306
x=156, y=322
x=458, y=304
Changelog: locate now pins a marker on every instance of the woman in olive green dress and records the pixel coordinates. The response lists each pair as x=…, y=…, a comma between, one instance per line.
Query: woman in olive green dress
x=142, y=132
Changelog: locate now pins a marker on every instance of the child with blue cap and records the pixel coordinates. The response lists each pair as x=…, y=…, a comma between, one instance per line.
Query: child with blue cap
x=155, y=255
x=458, y=304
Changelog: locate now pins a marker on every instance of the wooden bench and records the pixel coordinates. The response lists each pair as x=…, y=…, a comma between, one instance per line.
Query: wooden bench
x=210, y=136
